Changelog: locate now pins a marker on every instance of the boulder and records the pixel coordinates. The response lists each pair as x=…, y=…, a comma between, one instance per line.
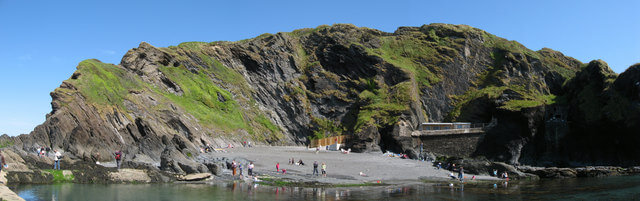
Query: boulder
x=130, y=175
x=194, y=177
x=367, y=140
x=174, y=161
x=215, y=168
x=552, y=172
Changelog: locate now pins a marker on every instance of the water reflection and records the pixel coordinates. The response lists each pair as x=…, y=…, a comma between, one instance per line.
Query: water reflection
x=594, y=188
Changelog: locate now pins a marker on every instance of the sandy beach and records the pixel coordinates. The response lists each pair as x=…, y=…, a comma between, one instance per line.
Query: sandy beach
x=341, y=168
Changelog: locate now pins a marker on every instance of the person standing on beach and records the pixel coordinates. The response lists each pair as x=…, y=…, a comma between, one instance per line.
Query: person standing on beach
x=421, y=157
x=461, y=173
x=118, y=158
x=324, y=169
x=250, y=169
x=315, y=168
x=277, y=167
x=233, y=167
x=56, y=157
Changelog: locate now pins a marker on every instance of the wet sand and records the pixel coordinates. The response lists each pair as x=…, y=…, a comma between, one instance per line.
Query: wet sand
x=341, y=168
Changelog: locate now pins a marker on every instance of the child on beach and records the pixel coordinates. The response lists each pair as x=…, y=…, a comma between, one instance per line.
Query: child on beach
x=324, y=169
x=250, y=169
x=277, y=167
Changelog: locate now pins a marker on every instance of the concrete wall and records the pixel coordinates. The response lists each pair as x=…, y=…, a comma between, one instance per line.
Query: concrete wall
x=451, y=145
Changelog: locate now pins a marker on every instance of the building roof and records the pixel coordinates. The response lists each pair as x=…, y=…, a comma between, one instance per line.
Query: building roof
x=444, y=123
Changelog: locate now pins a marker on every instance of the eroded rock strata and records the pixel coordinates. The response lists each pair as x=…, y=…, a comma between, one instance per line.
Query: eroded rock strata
x=162, y=105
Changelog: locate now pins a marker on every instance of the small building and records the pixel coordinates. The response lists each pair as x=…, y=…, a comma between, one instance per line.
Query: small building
x=461, y=125
x=444, y=126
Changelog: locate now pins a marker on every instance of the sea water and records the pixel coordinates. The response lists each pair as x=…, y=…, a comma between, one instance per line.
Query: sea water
x=604, y=188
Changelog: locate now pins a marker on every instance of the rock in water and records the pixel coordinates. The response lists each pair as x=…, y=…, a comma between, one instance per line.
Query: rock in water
x=194, y=177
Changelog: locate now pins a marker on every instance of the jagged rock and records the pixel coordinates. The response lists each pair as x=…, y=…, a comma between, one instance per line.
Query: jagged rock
x=172, y=160
x=401, y=135
x=29, y=177
x=164, y=104
x=554, y=172
x=215, y=168
x=596, y=171
x=367, y=140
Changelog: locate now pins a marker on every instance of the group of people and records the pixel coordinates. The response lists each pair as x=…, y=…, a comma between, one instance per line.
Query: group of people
x=57, y=156
x=504, y=174
x=459, y=170
x=237, y=169
x=300, y=162
x=43, y=151
x=315, y=169
x=293, y=162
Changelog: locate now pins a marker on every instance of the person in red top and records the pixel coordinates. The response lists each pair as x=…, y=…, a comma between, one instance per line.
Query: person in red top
x=277, y=167
x=118, y=158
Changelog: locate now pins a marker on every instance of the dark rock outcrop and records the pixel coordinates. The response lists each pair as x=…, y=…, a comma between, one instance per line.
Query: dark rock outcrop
x=174, y=161
x=162, y=105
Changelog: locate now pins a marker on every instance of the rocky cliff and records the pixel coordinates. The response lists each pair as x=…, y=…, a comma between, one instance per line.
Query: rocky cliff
x=286, y=88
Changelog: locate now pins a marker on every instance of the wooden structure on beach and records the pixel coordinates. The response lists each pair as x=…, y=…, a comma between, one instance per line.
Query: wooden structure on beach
x=341, y=139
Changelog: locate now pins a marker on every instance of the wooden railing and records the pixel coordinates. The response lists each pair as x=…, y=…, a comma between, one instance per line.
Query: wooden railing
x=341, y=139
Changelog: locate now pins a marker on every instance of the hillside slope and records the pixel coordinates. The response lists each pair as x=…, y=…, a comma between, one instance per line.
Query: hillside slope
x=284, y=88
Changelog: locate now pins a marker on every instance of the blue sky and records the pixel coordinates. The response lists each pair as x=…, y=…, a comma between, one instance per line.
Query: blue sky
x=41, y=42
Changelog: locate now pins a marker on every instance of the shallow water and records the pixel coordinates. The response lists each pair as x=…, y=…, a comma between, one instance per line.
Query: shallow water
x=607, y=188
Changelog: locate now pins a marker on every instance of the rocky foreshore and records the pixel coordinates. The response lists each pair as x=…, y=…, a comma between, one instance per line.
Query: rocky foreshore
x=343, y=169
x=588, y=171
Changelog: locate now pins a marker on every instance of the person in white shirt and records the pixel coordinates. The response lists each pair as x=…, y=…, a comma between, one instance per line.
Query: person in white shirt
x=56, y=157
x=250, y=170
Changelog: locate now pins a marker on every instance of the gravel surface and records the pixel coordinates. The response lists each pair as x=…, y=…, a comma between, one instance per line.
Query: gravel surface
x=341, y=168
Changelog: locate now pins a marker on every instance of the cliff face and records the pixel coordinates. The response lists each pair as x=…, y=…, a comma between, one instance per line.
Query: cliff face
x=288, y=87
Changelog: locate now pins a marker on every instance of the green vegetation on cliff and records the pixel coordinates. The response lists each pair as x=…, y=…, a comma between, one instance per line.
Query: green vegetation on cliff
x=381, y=104
x=406, y=53
x=104, y=84
x=204, y=100
x=107, y=85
